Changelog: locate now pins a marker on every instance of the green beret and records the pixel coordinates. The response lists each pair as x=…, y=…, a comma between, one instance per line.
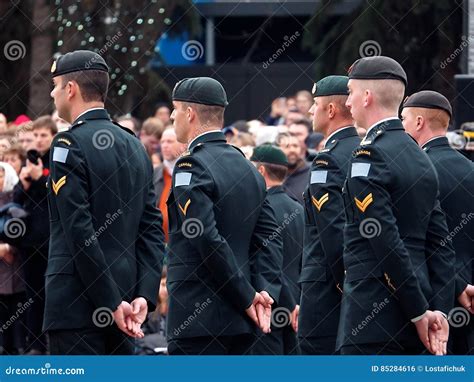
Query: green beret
x=429, y=99
x=269, y=154
x=78, y=61
x=377, y=68
x=203, y=90
x=331, y=85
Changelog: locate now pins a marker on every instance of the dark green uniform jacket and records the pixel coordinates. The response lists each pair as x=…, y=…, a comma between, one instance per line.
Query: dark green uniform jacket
x=106, y=240
x=322, y=275
x=223, y=241
x=396, y=265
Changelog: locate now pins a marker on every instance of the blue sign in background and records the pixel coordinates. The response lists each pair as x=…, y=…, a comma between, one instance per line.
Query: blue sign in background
x=257, y=368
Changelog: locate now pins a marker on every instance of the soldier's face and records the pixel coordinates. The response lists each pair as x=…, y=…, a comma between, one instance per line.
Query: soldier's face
x=180, y=121
x=317, y=112
x=409, y=122
x=355, y=101
x=59, y=95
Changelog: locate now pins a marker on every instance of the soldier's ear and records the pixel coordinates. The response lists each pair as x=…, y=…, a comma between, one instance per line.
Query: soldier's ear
x=190, y=114
x=368, y=97
x=331, y=110
x=72, y=89
x=420, y=121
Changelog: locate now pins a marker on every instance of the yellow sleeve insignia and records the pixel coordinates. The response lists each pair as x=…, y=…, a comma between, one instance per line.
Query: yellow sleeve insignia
x=57, y=185
x=185, y=209
x=319, y=203
x=362, y=205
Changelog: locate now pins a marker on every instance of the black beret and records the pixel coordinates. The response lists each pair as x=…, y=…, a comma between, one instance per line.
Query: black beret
x=331, y=85
x=269, y=154
x=203, y=90
x=377, y=68
x=78, y=61
x=429, y=99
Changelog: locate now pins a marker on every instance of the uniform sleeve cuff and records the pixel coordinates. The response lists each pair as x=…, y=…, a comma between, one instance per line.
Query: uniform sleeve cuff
x=442, y=313
x=416, y=319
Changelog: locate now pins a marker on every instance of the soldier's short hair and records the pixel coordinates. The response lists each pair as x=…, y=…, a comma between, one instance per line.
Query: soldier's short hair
x=93, y=84
x=340, y=102
x=275, y=172
x=437, y=119
x=209, y=115
x=387, y=93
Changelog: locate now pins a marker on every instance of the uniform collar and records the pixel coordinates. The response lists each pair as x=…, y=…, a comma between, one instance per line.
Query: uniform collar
x=388, y=123
x=275, y=190
x=436, y=141
x=343, y=132
x=213, y=135
x=94, y=113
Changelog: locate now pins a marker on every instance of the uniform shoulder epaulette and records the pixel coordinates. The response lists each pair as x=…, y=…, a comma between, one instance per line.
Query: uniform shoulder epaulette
x=329, y=146
x=185, y=154
x=373, y=136
x=78, y=123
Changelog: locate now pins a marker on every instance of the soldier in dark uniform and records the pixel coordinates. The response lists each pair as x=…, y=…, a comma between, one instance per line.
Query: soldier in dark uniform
x=426, y=116
x=322, y=275
x=399, y=277
x=106, y=244
x=223, y=269
x=271, y=162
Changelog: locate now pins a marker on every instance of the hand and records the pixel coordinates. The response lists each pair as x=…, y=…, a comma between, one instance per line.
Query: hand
x=36, y=170
x=465, y=299
x=264, y=312
x=442, y=334
x=427, y=327
x=138, y=315
x=123, y=311
x=260, y=311
x=6, y=254
x=25, y=178
x=294, y=318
